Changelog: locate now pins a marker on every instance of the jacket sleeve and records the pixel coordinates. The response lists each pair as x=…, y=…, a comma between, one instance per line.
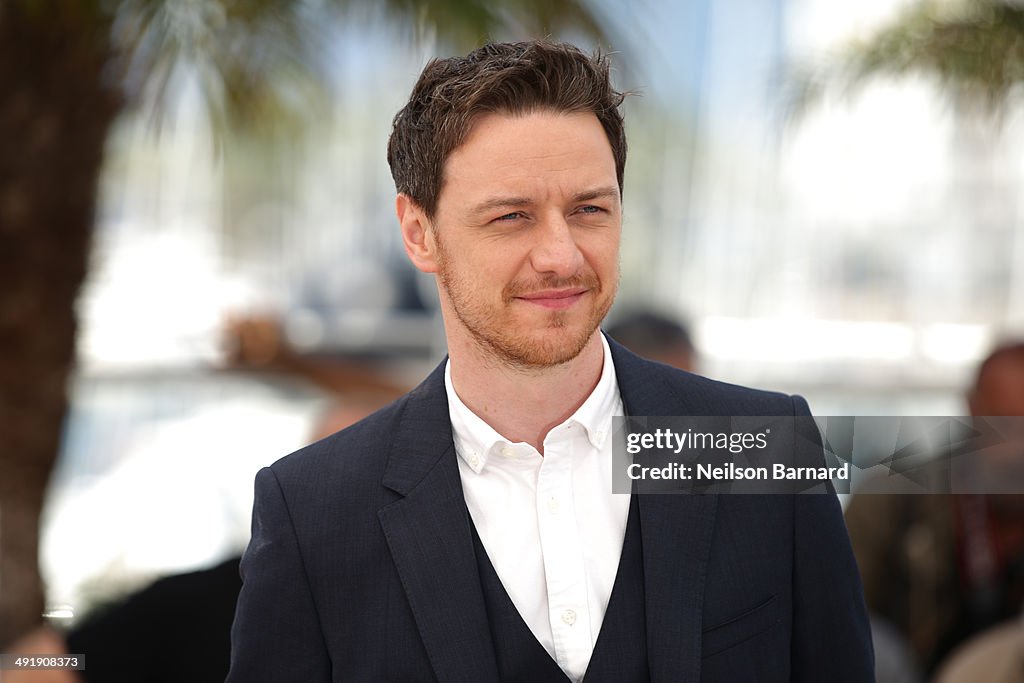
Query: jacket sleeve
x=831, y=636
x=276, y=635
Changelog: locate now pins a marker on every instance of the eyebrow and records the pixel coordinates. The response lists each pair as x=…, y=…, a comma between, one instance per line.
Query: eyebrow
x=610, y=192
x=500, y=203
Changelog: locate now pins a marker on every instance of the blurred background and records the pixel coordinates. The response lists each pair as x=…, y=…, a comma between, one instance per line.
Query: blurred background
x=826, y=198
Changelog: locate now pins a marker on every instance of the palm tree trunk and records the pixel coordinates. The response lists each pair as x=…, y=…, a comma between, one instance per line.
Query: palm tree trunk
x=55, y=112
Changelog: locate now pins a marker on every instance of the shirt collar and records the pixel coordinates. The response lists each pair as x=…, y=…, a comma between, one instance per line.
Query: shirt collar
x=475, y=440
x=595, y=415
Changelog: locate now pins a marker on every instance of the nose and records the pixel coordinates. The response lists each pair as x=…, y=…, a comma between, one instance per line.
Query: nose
x=555, y=251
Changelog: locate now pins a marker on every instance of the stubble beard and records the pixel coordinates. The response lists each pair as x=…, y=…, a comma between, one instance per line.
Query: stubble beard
x=493, y=330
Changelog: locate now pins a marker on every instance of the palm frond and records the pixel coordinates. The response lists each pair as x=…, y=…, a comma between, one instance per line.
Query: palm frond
x=973, y=49
x=466, y=24
x=263, y=63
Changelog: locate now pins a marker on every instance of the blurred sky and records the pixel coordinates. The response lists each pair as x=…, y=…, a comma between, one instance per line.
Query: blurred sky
x=865, y=255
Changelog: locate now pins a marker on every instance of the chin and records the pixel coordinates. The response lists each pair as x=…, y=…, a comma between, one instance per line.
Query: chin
x=549, y=349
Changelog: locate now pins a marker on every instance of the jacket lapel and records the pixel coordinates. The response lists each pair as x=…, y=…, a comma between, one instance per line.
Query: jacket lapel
x=676, y=531
x=428, y=533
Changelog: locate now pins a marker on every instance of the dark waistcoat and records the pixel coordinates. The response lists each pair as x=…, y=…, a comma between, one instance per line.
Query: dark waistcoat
x=620, y=653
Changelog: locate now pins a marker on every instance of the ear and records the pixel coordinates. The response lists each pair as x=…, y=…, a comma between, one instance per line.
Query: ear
x=417, y=234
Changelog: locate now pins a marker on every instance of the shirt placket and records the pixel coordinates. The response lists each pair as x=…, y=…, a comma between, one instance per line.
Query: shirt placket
x=564, y=569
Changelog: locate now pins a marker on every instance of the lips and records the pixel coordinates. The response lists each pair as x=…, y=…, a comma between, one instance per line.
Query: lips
x=554, y=298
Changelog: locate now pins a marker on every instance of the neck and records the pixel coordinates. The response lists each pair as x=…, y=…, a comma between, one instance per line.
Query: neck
x=524, y=404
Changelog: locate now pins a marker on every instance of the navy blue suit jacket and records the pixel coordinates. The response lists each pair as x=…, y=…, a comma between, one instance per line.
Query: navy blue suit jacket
x=361, y=565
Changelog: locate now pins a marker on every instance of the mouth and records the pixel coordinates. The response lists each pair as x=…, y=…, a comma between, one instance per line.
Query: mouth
x=556, y=299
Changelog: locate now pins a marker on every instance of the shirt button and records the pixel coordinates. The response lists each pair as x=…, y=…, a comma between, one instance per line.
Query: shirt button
x=554, y=506
x=474, y=461
x=506, y=451
x=569, y=617
x=600, y=436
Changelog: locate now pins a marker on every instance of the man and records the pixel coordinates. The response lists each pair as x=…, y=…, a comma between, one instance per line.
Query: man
x=942, y=568
x=468, y=531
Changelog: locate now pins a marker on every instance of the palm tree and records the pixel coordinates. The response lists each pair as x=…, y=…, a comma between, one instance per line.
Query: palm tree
x=68, y=69
x=973, y=48
x=974, y=51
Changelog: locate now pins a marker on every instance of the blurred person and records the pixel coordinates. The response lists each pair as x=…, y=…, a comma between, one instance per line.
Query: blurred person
x=177, y=629
x=174, y=630
x=468, y=532
x=941, y=568
x=257, y=343
x=655, y=337
x=996, y=655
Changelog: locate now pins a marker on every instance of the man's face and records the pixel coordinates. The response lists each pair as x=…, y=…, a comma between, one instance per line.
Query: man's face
x=527, y=234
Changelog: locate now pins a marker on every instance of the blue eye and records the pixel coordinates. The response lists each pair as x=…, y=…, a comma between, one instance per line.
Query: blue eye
x=591, y=209
x=510, y=216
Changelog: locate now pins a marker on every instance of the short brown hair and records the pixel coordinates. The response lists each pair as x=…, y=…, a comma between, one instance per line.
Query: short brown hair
x=513, y=78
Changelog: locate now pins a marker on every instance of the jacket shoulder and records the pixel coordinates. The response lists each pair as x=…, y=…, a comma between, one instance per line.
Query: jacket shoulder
x=651, y=388
x=738, y=399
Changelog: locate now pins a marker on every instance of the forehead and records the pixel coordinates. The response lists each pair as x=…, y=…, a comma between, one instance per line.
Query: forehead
x=537, y=154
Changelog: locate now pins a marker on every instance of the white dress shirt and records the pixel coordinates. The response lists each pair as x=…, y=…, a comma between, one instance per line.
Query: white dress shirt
x=551, y=525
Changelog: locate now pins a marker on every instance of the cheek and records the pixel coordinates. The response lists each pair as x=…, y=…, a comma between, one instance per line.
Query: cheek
x=485, y=275
x=603, y=255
